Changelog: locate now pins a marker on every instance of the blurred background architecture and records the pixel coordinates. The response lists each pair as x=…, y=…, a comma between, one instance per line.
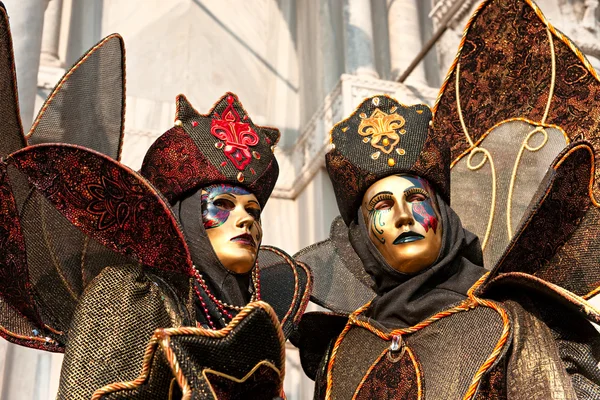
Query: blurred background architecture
x=298, y=65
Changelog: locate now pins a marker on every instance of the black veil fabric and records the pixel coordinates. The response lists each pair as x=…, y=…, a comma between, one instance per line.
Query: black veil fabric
x=226, y=285
x=404, y=300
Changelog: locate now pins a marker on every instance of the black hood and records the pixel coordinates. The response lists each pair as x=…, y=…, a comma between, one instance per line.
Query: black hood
x=404, y=300
x=226, y=285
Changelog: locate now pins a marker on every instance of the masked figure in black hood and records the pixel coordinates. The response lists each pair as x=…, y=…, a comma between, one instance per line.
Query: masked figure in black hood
x=434, y=329
x=415, y=249
x=161, y=288
x=217, y=172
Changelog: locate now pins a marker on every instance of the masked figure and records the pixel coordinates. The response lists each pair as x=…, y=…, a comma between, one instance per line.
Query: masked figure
x=434, y=323
x=155, y=285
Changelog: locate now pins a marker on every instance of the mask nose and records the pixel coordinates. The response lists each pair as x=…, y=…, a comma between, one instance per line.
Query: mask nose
x=404, y=215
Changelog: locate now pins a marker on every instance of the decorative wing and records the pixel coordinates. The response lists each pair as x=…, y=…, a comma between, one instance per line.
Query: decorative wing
x=552, y=243
x=518, y=93
x=11, y=131
x=80, y=211
x=108, y=202
x=87, y=106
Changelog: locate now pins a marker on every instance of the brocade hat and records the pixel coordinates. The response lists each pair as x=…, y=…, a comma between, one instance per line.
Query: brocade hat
x=383, y=137
x=223, y=146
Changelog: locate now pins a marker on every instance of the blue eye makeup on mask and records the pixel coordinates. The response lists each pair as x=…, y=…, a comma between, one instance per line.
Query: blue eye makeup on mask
x=215, y=211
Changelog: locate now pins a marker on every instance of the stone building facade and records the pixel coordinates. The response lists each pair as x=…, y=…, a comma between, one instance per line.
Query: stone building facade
x=298, y=65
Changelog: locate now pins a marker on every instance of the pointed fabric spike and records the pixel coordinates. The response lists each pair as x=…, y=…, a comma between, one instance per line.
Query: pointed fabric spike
x=87, y=106
x=11, y=129
x=513, y=64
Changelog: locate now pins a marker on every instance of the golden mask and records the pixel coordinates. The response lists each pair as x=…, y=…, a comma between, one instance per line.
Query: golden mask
x=402, y=220
x=231, y=218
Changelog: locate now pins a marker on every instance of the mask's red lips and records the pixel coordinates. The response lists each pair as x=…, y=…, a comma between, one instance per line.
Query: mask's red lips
x=245, y=239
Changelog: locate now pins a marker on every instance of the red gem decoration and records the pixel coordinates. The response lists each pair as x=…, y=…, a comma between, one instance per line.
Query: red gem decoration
x=224, y=163
x=237, y=136
x=252, y=170
x=194, y=123
x=256, y=155
x=268, y=140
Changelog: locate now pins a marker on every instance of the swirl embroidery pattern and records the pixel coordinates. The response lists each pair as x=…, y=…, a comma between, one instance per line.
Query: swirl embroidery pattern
x=109, y=203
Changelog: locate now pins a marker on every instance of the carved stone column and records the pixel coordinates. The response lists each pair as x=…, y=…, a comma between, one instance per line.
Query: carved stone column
x=27, y=23
x=359, y=53
x=51, y=34
x=405, y=38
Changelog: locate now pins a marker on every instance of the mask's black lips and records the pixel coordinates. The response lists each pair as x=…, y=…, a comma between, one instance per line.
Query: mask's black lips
x=407, y=237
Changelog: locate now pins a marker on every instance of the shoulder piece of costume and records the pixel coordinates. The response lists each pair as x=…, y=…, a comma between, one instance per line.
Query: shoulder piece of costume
x=31, y=231
x=336, y=265
x=380, y=138
x=520, y=110
x=84, y=211
x=317, y=333
x=188, y=362
x=285, y=284
x=222, y=146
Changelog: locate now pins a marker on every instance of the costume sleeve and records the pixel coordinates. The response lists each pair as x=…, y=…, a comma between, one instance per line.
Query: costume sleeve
x=111, y=326
x=535, y=369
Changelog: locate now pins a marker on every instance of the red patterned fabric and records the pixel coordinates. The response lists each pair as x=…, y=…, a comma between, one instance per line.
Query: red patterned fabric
x=108, y=202
x=174, y=165
x=391, y=381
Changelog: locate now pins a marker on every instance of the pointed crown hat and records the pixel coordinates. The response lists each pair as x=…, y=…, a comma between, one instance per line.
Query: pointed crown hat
x=223, y=146
x=383, y=137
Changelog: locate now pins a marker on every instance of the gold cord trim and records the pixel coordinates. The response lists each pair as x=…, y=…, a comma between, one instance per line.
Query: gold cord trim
x=34, y=338
x=476, y=150
x=525, y=144
x=175, y=368
x=64, y=80
x=306, y=294
x=233, y=378
x=487, y=133
x=513, y=176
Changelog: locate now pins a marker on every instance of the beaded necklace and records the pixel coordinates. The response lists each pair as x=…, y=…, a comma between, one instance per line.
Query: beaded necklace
x=221, y=305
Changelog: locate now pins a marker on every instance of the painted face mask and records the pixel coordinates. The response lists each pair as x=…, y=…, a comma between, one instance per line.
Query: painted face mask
x=231, y=218
x=402, y=221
